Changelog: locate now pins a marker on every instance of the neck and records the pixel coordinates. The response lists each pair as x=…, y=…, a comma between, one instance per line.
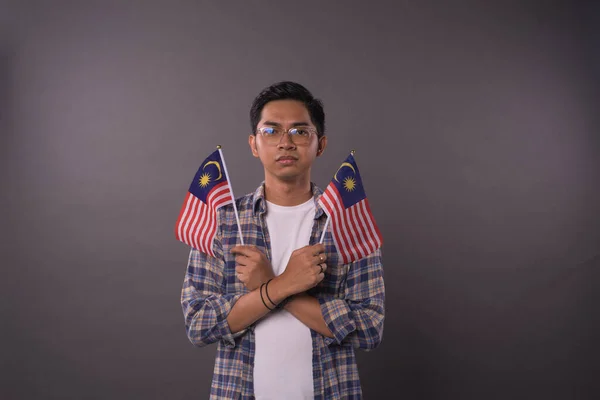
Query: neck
x=288, y=193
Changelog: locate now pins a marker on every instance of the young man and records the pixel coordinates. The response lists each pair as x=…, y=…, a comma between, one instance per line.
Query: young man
x=285, y=312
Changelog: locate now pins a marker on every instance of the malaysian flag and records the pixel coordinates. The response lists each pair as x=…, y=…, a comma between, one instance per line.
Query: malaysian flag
x=345, y=202
x=197, y=222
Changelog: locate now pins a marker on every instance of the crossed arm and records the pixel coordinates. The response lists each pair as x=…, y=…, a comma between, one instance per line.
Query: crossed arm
x=305, y=269
x=211, y=315
x=250, y=308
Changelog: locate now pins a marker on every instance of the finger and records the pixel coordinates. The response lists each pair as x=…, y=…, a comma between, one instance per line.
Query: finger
x=323, y=257
x=321, y=268
x=241, y=260
x=324, y=266
x=244, y=250
x=241, y=269
x=300, y=250
x=319, y=258
x=320, y=277
x=249, y=251
x=317, y=269
x=308, y=248
x=255, y=253
x=318, y=248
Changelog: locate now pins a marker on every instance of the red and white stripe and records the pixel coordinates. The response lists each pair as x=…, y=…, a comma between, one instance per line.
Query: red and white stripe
x=354, y=230
x=197, y=222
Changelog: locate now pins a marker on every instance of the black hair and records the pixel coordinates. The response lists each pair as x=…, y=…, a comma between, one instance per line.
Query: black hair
x=289, y=91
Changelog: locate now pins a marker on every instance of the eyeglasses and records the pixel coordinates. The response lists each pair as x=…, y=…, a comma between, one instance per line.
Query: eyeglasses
x=298, y=135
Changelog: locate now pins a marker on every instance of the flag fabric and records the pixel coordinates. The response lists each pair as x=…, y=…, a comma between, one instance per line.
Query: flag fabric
x=210, y=190
x=352, y=224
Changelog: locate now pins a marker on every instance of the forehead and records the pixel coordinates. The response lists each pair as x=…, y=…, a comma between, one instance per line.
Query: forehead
x=285, y=111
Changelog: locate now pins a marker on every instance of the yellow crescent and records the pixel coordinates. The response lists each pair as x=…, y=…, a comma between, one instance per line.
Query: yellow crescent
x=218, y=167
x=344, y=165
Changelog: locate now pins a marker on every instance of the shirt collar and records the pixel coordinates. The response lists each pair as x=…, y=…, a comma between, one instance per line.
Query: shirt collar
x=259, y=204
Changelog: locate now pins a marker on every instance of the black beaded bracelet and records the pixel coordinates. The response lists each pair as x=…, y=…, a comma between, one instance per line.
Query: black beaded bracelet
x=267, y=292
x=263, y=300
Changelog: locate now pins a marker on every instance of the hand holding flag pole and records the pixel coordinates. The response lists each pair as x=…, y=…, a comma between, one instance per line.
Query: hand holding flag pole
x=353, y=227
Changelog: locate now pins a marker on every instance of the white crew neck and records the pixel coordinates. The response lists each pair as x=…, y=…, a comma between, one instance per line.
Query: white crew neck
x=276, y=207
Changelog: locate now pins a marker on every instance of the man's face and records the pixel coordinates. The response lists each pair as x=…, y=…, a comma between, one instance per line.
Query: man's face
x=286, y=159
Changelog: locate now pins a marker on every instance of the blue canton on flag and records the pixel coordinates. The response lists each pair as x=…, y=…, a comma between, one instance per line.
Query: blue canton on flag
x=209, y=175
x=348, y=183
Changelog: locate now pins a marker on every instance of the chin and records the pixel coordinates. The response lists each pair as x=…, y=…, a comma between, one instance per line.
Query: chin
x=288, y=175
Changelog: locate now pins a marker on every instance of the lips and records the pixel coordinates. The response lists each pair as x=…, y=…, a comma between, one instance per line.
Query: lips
x=286, y=160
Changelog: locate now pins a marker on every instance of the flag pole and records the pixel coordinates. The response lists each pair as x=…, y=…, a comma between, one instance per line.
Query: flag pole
x=324, y=230
x=352, y=152
x=237, y=218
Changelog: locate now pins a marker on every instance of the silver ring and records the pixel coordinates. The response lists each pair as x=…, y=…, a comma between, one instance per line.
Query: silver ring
x=321, y=257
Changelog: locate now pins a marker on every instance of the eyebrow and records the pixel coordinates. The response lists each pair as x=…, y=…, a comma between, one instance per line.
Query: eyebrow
x=293, y=124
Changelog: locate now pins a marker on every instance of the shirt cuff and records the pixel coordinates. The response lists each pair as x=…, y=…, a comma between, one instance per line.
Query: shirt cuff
x=227, y=337
x=339, y=319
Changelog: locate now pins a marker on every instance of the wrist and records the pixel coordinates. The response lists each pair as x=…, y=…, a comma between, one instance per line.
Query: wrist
x=279, y=289
x=289, y=301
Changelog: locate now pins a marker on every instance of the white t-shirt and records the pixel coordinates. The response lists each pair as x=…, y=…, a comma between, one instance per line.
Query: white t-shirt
x=283, y=355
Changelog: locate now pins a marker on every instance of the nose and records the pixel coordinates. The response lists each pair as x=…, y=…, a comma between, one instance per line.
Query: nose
x=286, y=142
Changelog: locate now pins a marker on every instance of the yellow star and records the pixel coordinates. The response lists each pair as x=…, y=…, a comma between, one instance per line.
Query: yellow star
x=349, y=183
x=204, y=180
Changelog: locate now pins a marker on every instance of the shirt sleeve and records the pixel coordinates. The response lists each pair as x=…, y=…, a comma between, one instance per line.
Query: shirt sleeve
x=203, y=300
x=358, y=317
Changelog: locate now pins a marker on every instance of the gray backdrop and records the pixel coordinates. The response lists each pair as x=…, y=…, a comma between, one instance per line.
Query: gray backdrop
x=477, y=133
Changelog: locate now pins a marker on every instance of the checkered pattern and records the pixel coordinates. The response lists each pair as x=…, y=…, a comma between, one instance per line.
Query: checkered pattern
x=351, y=298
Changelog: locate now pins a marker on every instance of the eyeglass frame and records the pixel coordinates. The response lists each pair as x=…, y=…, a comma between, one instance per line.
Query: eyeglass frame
x=312, y=131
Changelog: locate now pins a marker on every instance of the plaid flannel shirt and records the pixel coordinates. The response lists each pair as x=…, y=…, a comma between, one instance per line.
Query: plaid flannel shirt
x=351, y=298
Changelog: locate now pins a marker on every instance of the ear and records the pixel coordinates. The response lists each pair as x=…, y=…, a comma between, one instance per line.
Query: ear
x=322, y=145
x=252, y=144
